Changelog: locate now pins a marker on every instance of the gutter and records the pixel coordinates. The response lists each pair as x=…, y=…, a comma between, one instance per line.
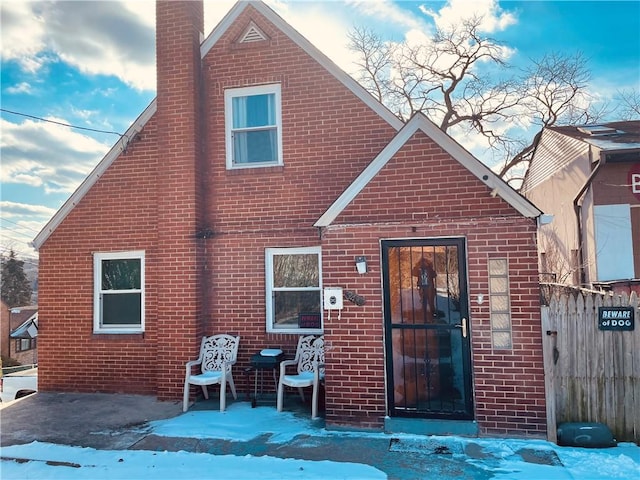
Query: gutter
x=577, y=207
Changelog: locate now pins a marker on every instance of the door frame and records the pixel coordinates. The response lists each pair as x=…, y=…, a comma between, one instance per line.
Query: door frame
x=466, y=363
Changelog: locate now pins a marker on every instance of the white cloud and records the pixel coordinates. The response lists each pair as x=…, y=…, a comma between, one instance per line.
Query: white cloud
x=23, y=33
x=214, y=12
x=19, y=210
x=22, y=87
x=19, y=224
x=388, y=11
x=454, y=12
x=99, y=38
x=27, y=156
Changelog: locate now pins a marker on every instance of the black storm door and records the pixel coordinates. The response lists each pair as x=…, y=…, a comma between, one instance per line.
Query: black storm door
x=427, y=329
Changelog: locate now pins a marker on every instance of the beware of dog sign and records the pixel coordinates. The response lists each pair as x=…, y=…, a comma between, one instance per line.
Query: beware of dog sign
x=616, y=318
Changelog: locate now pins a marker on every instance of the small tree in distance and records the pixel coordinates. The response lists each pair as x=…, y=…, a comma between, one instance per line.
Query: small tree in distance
x=15, y=287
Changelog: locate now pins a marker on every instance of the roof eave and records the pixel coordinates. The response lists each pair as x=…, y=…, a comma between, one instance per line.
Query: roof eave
x=447, y=143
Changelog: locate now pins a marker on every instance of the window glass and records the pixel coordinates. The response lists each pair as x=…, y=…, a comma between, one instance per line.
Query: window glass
x=254, y=111
x=256, y=146
x=300, y=270
x=121, y=308
x=294, y=301
x=253, y=132
x=120, y=274
x=119, y=292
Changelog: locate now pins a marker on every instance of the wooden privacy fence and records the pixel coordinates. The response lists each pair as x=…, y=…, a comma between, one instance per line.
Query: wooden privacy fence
x=591, y=374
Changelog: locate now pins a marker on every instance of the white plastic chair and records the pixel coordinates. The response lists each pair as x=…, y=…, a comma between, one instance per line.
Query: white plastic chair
x=218, y=353
x=309, y=360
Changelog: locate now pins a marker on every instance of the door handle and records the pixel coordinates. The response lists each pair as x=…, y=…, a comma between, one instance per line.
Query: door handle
x=463, y=326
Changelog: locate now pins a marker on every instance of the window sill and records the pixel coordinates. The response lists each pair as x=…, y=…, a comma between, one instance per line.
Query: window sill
x=253, y=169
x=291, y=331
x=117, y=334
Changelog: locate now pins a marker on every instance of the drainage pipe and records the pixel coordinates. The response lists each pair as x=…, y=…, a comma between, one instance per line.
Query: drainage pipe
x=577, y=207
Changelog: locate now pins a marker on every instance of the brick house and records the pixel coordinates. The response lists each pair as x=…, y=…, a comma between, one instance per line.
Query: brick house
x=21, y=337
x=5, y=329
x=588, y=178
x=249, y=185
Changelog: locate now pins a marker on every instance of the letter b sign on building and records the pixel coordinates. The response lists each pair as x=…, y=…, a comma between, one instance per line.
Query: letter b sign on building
x=633, y=177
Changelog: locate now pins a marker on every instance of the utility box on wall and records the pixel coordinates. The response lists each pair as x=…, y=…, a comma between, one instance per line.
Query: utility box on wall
x=333, y=298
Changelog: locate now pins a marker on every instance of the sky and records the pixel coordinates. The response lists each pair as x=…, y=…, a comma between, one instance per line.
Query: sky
x=241, y=423
x=91, y=64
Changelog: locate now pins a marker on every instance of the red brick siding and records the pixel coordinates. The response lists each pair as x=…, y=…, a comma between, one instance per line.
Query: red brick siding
x=159, y=193
x=180, y=199
x=508, y=385
x=119, y=213
x=253, y=209
x=328, y=135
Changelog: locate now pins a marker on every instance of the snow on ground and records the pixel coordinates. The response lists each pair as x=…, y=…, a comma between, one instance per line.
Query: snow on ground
x=74, y=463
x=242, y=423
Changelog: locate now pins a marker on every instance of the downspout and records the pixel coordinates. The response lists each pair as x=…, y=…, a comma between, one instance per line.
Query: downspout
x=577, y=207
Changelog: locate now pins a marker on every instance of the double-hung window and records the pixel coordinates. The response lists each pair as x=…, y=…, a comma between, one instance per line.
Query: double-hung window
x=118, y=292
x=294, y=290
x=253, y=131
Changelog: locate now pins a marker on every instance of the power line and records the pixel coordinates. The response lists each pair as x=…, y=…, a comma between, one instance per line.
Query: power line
x=7, y=249
x=9, y=246
x=24, y=257
x=19, y=225
x=7, y=229
x=60, y=123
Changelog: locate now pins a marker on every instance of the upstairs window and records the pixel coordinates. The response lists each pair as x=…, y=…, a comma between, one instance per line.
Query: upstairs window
x=253, y=126
x=118, y=292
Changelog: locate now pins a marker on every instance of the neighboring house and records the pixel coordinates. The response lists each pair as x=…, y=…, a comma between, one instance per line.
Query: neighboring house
x=588, y=178
x=5, y=329
x=23, y=341
x=251, y=184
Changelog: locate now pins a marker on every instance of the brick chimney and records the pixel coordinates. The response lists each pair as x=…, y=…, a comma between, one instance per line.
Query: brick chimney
x=177, y=266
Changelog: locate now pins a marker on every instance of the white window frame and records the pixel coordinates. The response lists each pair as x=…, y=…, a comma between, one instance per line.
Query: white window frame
x=98, y=327
x=269, y=254
x=232, y=93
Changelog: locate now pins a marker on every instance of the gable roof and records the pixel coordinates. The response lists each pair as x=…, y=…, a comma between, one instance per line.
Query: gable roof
x=305, y=45
x=28, y=329
x=419, y=122
x=20, y=315
x=556, y=147
x=206, y=45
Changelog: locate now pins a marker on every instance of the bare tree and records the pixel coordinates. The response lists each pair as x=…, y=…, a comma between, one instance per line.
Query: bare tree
x=554, y=92
x=460, y=78
x=557, y=264
x=629, y=101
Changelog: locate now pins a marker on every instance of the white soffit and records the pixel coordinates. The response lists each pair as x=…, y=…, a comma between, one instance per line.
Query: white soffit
x=420, y=122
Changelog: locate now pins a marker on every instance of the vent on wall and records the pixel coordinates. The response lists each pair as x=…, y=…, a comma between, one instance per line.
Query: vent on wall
x=252, y=34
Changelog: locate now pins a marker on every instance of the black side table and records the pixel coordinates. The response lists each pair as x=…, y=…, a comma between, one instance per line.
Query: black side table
x=265, y=360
